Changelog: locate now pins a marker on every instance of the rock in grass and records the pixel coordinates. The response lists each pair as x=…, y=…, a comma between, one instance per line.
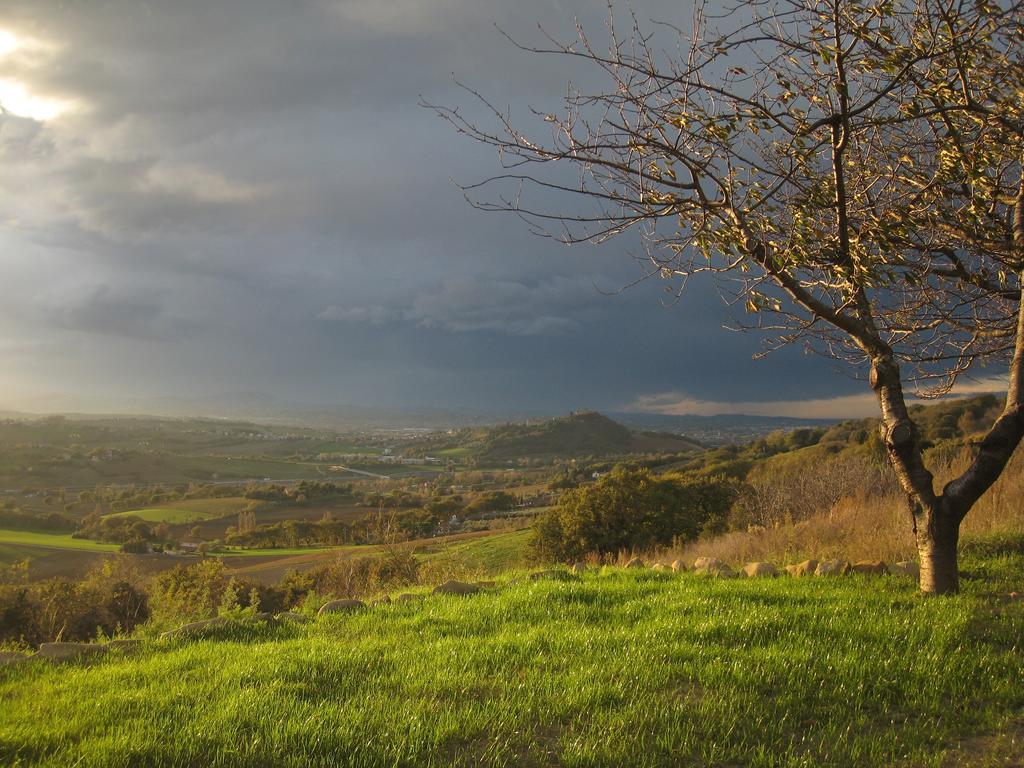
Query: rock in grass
x=712, y=566
x=456, y=588
x=659, y=567
x=678, y=566
x=760, y=570
x=341, y=606
x=636, y=562
x=580, y=567
x=806, y=568
x=12, y=657
x=69, y=651
x=870, y=567
x=905, y=568
x=837, y=567
x=194, y=628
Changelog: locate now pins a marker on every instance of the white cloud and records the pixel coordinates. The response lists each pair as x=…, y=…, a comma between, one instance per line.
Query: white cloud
x=198, y=183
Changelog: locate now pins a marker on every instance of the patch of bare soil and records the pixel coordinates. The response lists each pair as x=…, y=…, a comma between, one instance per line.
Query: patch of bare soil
x=1004, y=749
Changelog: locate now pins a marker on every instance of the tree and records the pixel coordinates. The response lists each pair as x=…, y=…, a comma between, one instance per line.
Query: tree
x=629, y=509
x=848, y=171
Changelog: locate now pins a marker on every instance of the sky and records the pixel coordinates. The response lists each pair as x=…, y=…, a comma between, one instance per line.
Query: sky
x=213, y=196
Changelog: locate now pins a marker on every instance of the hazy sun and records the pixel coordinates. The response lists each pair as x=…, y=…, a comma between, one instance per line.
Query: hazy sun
x=16, y=98
x=8, y=42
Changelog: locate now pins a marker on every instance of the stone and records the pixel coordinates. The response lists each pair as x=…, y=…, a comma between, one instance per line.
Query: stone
x=659, y=567
x=12, y=657
x=678, y=566
x=760, y=570
x=870, y=567
x=905, y=568
x=837, y=567
x=712, y=566
x=456, y=588
x=341, y=606
x=69, y=651
x=806, y=568
x=635, y=562
x=580, y=567
x=290, y=617
x=196, y=627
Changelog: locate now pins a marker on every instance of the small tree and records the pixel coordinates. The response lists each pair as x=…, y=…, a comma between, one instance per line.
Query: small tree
x=850, y=171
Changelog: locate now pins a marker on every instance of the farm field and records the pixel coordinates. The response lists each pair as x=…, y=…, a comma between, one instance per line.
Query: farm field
x=50, y=555
x=186, y=511
x=483, y=553
x=53, y=541
x=637, y=667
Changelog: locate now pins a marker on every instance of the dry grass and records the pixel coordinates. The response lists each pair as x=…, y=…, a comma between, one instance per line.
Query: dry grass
x=864, y=526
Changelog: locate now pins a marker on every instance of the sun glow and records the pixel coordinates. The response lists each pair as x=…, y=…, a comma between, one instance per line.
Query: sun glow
x=16, y=100
x=9, y=43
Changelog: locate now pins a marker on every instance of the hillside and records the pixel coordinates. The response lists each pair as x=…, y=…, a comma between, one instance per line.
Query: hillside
x=619, y=667
x=583, y=433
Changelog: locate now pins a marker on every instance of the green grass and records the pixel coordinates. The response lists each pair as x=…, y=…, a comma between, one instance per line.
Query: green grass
x=54, y=540
x=240, y=552
x=188, y=510
x=454, y=453
x=634, y=668
x=490, y=554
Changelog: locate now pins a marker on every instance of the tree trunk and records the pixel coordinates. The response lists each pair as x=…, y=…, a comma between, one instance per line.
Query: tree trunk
x=937, y=539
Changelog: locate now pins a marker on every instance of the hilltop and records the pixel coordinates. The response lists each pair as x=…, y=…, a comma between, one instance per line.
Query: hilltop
x=580, y=434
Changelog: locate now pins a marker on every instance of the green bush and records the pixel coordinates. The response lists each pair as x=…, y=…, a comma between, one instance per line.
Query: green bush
x=630, y=509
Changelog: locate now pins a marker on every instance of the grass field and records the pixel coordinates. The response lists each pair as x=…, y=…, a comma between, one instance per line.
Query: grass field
x=621, y=668
x=53, y=540
x=188, y=510
x=488, y=554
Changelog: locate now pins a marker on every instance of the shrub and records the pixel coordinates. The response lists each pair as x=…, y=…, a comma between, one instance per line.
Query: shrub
x=630, y=509
x=188, y=592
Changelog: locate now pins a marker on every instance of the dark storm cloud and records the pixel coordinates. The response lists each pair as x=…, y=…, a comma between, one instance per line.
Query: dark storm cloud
x=244, y=194
x=138, y=317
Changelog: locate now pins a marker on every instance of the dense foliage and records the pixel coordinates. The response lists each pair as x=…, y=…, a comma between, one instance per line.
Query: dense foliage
x=630, y=509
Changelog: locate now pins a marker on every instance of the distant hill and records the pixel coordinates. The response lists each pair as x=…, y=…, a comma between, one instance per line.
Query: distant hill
x=721, y=429
x=583, y=433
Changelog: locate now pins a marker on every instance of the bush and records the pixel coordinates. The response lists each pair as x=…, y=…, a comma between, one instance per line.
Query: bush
x=188, y=593
x=110, y=600
x=630, y=509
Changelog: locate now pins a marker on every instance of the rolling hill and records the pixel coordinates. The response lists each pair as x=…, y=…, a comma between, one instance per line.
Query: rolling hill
x=582, y=433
